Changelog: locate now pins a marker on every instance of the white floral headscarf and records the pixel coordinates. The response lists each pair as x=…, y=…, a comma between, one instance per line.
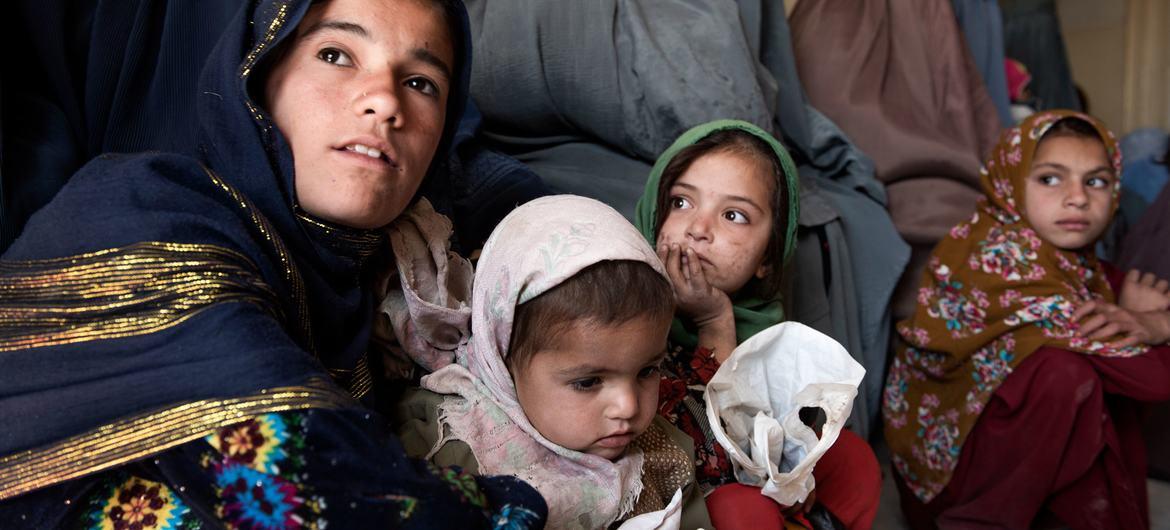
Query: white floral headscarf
x=536, y=247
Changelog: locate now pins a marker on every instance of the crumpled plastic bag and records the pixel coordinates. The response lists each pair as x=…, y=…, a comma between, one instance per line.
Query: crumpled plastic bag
x=754, y=402
x=669, y=518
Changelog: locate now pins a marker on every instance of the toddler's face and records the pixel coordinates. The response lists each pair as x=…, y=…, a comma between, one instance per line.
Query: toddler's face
x=1069, y=192
x=721, y=207
x=596, y=388
x=361, y=97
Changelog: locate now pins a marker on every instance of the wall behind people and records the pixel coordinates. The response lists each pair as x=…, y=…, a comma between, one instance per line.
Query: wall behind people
x=1147, y=62
x=1094, y=36
x=1118, y=53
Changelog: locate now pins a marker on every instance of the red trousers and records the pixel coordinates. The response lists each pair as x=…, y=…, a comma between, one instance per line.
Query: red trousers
x=848, y=484
x=1061, y=437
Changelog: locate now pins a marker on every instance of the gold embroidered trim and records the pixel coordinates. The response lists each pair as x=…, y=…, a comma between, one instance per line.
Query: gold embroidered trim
x=366, y=242
x=274, y=27
x=362, y=382
x=129, y=439
x=291, y=275
x=120, y=292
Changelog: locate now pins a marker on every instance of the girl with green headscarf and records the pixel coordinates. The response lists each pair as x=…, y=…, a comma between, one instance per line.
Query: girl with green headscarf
x=720, y=207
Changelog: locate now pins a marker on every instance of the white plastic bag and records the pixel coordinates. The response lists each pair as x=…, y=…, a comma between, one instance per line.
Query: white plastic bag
x=754, y=401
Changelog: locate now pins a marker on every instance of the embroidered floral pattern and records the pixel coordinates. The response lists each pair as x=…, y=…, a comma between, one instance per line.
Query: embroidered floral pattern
x=1051, y=313
x=894, y=402
x=961, y=231
x=462, y=483
x=916, y=336
x=990, y=365
x=1009, y=254
x=949, y=302
x=126, y=502
x=256, y=470
x=938, y=434
x=681, y=402
x=515, y=518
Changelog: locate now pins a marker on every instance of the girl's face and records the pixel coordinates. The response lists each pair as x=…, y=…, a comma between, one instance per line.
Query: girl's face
x=361, y=97
x=721, y=207
x=596, y=388
x=1068, y=196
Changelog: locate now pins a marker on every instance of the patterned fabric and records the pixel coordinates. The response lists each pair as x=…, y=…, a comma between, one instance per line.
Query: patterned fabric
x=993, y=293
x=424, y=316
x=685, y=374
x=536, y=247
x=258, y=473
x=666, y=469
x=126, y=502
x=752, y=314
x=305, y=470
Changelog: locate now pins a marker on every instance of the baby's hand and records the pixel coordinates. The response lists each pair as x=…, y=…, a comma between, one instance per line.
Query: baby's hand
x=1136, y=327
x=1144, y=292
x=697, y=299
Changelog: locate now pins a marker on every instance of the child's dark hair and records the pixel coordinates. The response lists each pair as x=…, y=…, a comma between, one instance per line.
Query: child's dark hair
x=603, y=294
x=1073, y=127
x=736, y=141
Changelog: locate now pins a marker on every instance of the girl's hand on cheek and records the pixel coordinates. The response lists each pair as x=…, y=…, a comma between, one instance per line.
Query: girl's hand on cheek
x=1101, y=320
x=697, y=299
x=1144, y=292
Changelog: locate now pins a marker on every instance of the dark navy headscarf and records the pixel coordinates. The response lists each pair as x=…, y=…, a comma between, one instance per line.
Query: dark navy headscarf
x=160, y=293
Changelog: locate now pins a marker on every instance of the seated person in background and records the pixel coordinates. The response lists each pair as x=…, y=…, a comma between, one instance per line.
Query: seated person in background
x=721, y=205
x=1014, y=394
x=559, y=384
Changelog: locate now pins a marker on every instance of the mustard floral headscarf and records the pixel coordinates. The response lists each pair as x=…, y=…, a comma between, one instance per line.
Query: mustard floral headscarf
x=993, y=293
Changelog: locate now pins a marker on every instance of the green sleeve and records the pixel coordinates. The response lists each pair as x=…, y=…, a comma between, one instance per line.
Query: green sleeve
x=416, y=422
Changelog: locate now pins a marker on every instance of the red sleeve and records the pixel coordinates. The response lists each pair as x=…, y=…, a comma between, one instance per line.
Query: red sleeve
x=1114, y=275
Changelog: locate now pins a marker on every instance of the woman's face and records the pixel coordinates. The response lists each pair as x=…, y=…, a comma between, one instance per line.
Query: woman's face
x=361, y=97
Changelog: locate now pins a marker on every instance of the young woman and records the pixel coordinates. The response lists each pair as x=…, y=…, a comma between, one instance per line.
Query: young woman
x=184, y=339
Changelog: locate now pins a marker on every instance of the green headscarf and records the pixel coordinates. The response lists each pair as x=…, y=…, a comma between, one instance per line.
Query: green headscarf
x=752, y=314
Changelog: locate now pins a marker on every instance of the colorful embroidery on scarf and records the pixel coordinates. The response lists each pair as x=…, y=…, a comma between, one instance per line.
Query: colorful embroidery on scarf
x=989, y=367
x=126, y=502
x=1009, y=254
x=515, y=518
x=257, y=468
x=949, y=301
x=938, y=432
x=462, y=483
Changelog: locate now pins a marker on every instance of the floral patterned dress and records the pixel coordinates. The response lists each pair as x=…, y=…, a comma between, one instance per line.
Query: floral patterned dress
x=685, y=374
x=992, y=294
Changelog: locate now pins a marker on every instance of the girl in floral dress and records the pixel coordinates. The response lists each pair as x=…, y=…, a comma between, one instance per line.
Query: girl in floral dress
x=721, y=207
x=1013, y=393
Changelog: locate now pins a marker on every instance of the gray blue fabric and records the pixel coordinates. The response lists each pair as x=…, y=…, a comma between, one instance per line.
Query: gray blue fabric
x=1143, y=155
x=587, y=94
x=1032, y=36
x=485, y=184
x=982, y=26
